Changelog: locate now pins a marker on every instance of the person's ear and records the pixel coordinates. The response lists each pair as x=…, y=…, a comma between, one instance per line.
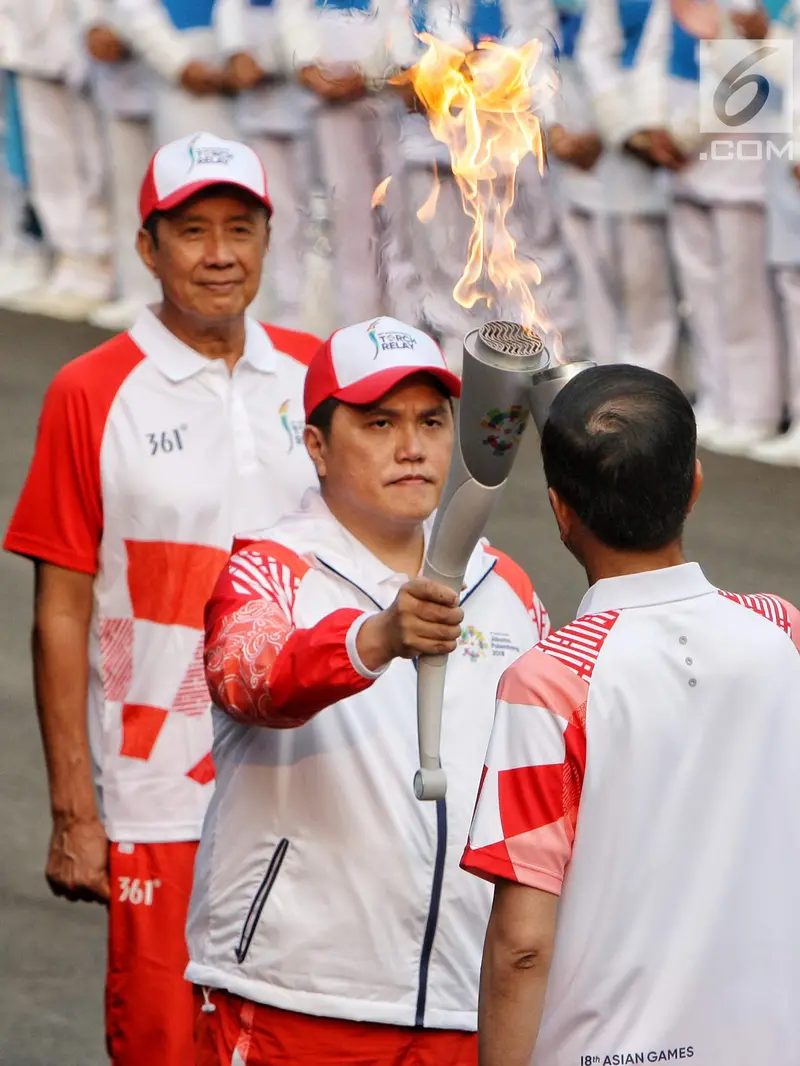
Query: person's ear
x=697, y=486
x=267, y=237
x=146, y=250
x=564, y=515
x=316, y=446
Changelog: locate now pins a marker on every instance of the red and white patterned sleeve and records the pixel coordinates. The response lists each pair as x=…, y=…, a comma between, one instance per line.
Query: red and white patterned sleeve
x=261, y=669
x=525, y=817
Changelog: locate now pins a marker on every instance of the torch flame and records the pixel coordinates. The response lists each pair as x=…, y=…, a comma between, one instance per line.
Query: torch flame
x=428, y=209
x=379, y=195
x=480, y=105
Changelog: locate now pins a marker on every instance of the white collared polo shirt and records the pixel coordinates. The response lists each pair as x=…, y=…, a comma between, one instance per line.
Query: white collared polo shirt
x=148, y=458
x=643, y=765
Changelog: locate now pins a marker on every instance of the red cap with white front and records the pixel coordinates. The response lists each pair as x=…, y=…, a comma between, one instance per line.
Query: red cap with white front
x=359, y=364
x=182, y=168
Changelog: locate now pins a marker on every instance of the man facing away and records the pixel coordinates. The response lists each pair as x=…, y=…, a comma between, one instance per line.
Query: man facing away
x=152, y=450
x=639, y=812
x=329, y=919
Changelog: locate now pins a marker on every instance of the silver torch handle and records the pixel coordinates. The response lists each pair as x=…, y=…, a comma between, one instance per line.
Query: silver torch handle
x=493, y=413
x=506, y=377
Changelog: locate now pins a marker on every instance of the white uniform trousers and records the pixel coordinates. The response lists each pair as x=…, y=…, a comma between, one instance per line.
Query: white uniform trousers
x=178, y=113
x=625, y=275
x=720, y=258
x=288, y=167
x=787, y=282
x=12, y=211
x=535, y=224
x=66, y=167
x=357, y=146
x=439, y=251
x=129, y=143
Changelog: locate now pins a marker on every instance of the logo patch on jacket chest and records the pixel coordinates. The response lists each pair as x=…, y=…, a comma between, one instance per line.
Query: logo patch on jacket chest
x=293, y=429
x=477, y=646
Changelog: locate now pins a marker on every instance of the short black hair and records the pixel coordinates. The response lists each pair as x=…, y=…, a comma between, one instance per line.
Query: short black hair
x=151, y=225
x=619, y=447
x=322, y=416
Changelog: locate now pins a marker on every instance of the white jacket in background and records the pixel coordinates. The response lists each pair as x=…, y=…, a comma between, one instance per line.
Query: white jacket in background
x=624, y=98
x=44, y=38
x=373, y=36
x=283, y=108
x=152, y=34
x=708, y=181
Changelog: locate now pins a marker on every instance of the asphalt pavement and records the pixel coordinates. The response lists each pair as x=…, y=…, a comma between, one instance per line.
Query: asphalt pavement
x=52, y=952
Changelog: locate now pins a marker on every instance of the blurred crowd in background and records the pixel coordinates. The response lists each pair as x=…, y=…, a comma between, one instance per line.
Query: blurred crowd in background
x=658, y=244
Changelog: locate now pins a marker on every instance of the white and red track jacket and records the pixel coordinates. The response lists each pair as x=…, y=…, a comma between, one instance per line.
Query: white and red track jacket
x=322, y=885
x=643, y=767
x=148, y=458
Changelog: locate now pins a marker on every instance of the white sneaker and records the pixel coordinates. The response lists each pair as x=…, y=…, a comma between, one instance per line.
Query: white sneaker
x=778, y=451
x=27, y=272
x=65, y=306
x=75, y=288
x=737, y=440
x=708, y=429
x=117, y=315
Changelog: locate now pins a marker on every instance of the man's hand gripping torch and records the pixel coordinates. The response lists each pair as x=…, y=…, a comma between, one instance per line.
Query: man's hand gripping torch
x=506, y=376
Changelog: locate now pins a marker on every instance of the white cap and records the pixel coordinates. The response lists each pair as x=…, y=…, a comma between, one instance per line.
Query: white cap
x=359, y=364
x=182, y=168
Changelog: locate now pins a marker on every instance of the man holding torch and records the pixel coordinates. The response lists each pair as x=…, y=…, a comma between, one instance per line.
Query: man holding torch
x=639, y=809
x=329, y=917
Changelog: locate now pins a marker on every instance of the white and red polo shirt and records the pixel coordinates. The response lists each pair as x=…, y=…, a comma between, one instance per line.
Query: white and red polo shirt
x=643, y=765
x=149, y=457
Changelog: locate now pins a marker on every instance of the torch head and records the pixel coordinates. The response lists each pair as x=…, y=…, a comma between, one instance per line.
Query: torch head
x=499, y=359
x=547, y=384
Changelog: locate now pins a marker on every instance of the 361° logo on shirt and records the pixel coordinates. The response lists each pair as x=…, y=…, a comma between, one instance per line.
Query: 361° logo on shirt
x=168, y=440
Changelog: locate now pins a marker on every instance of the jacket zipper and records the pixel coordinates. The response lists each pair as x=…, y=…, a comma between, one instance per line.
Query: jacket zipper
x=352, y=583
x=438, y=876
x=433, y=910
x=260, y=898
x=441, y=839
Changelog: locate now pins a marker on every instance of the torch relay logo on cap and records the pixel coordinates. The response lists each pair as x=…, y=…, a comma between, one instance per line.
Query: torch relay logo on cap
x=218, y=156
x=389, y=340
x=183, y=168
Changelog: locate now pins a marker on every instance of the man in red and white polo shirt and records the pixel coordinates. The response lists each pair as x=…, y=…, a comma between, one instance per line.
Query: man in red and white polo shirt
x=152, y=450
x=640, y=811
x=329, y=921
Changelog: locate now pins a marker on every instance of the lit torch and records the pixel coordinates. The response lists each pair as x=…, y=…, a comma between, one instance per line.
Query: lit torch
x=480, y=104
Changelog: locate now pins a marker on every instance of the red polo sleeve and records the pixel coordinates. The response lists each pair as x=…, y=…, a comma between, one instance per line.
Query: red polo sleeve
x=59, y=515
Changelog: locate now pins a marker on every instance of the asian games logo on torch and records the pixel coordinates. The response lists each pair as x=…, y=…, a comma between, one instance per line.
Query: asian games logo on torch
x=505, y=428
